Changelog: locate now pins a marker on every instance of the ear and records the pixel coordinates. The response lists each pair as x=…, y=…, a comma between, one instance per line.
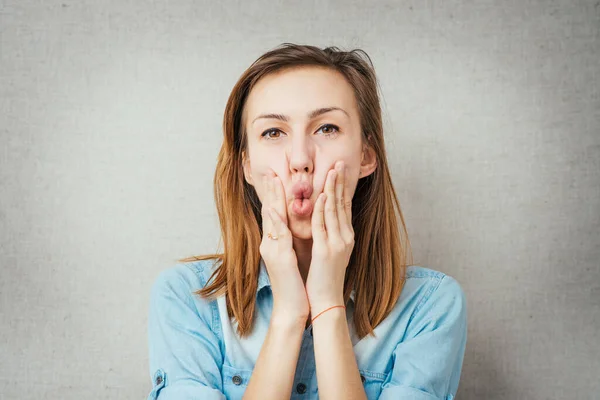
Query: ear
x=246, y=168
x=368, y=162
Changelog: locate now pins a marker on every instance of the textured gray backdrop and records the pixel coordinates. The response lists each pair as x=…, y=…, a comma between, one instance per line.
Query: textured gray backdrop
x=110, y=123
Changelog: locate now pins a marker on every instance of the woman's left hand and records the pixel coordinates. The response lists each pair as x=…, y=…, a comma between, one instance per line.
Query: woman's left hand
x=333, y=242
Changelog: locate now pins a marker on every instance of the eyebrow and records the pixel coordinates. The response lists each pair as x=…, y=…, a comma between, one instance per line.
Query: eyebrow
x=310, y=115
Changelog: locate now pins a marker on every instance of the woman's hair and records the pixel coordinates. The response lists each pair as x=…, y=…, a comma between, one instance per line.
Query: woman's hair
x=377, y=266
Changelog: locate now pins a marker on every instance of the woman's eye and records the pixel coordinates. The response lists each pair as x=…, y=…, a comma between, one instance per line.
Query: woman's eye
x=268, y=131
x=328, y=130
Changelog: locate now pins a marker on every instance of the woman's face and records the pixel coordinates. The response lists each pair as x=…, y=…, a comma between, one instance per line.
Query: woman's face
x=299, y=122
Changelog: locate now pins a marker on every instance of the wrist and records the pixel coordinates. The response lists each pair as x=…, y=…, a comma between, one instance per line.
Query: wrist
x=288, y=321
x=321, y=305
x=334, y=312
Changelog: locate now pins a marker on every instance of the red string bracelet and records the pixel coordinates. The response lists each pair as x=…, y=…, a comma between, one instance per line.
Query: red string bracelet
x=313, y=320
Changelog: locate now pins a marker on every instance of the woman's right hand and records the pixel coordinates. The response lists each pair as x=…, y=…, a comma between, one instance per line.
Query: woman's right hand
x=290, y=302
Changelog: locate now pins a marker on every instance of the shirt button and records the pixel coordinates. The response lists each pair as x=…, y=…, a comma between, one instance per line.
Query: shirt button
x=237, y=380
x=301, y=388
x=159, y=380
x=362, y=378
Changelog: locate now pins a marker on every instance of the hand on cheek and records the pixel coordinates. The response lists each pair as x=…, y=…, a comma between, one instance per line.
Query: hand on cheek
x=290, y=301
x=333, y=242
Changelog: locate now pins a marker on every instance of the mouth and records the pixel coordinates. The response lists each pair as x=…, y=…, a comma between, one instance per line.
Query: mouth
x=302, y=207
x=302, y=190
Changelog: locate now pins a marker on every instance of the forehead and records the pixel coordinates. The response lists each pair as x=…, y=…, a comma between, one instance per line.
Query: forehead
x=297, y=90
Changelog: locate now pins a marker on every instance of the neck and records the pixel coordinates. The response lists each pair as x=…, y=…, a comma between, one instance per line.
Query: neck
x=303, y=249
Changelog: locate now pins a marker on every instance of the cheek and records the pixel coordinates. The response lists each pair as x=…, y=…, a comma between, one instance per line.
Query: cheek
x=260, y=186
x=352, y=172
x=352, y=166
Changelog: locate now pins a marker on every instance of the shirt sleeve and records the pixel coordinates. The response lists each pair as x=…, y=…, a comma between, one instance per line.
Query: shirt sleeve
x=184, y=351
x=427, y=365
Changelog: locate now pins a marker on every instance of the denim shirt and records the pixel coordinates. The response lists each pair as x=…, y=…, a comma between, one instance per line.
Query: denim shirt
x=195, y=352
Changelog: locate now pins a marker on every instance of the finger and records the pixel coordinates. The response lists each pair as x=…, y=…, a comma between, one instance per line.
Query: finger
x=279, y=229
x=274, y=220
x=332, y=224
x=273, y=203
x=317, y=220
x=339, y=196
x=279, y=201
x=266, y=221
x=341, y=190
x=270, y=189
x=347, y=198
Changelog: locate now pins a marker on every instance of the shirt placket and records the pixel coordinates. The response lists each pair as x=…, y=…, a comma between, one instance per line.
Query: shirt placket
x=305, y=369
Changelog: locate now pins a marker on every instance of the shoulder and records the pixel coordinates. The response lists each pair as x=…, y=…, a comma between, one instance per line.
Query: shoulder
x=189, y=275
x=428, y=280
x=175, y=286
x=434, y=295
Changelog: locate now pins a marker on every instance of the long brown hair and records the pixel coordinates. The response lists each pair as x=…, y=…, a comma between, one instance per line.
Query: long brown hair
x=377, y=266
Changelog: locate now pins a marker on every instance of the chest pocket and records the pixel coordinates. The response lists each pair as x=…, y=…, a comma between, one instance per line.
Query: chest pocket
x=235, y=381
x=372, y=382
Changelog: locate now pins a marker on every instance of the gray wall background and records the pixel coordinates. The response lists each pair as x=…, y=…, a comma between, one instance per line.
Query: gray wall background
x=110, y=123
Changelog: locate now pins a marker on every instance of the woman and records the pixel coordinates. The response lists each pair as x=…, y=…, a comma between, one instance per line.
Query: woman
x=313, y=296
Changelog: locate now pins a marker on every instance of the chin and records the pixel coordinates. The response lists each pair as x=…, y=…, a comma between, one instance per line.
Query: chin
x=301, y=228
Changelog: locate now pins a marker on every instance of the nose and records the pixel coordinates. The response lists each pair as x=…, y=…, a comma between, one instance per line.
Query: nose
x=301, y=155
